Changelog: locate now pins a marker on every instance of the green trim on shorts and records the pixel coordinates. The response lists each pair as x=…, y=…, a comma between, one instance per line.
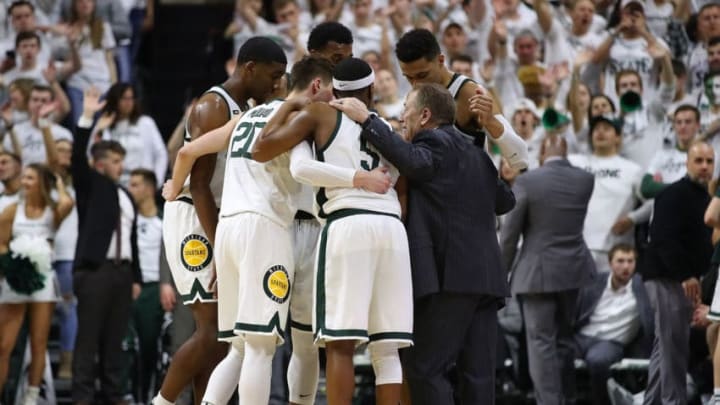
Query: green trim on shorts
x=224, y=334
x=274, y=324
x=713, y=316
x=320, y=279
x=391, y=336
x=300, y=326
x=197, y=289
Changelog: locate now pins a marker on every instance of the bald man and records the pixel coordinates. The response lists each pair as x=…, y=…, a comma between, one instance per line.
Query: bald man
x=555, y=262
x=678, y=255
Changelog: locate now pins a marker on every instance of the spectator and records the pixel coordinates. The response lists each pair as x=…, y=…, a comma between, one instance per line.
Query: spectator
x=708, y=27
x=629, y=46
x=389, y=103
x=107, y=273
x=137, y=133
x=95, y=44
x=611, y=213
x=31, y=221
x=614, y=319
x=678, y=255
x=553, y=263
x=147, y=312
x=643, y=121
x=10, y=170
x=367, y=33
x=30, y=133
x=517, y=78
x=59, y=154
x=525, y=120
x=16, y=110
x=290, y=28
x=668, y=165
x=22, y=18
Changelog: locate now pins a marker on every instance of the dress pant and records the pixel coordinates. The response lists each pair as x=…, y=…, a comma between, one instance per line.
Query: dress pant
x=453, y=332
x=104, y=304
x=667, y=383
x=599, y=355
x=549, y=319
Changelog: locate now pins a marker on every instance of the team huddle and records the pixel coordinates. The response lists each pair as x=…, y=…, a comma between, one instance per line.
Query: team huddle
x=249, y=192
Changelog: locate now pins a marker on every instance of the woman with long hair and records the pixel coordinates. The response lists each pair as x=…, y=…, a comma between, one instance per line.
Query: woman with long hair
x=136, y=132
x=94, y=43
x=27, y=230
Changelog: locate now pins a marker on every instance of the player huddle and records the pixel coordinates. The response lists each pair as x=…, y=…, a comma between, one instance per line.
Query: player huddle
x=277, y=172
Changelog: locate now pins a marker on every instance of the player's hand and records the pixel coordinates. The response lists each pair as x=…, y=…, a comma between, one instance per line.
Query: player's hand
x=169, y=192
x=136, y=290
x=691, y=287
x=622, y=225
x=352, y=107
x=377, y=180
x=481, y=105
x=167, y=297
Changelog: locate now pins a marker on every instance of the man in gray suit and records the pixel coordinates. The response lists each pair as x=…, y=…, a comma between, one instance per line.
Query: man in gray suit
x=552, y=264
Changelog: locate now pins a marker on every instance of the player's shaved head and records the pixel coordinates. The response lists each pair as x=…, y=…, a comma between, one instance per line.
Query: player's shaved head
x=261, y=50
x=553, y=146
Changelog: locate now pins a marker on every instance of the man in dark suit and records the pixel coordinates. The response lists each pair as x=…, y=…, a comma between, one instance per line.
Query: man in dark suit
x=678, y=255
x=552, y=264
x=457, y=279
x=614, y=319
x=107, y=273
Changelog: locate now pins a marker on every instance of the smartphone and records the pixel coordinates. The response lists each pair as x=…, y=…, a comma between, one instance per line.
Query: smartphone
x=10, y=55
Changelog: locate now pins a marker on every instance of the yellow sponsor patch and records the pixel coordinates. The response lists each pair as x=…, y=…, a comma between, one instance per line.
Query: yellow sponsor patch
x=276, y=284
x=195, y=252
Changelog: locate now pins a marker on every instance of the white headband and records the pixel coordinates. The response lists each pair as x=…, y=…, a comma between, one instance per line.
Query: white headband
x=349, y=85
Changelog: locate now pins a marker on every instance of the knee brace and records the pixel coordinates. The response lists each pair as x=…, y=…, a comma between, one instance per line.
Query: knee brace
x=386, y=363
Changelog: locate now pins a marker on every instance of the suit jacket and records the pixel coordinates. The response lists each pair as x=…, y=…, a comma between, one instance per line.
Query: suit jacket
x=590, y=295
x=680, y=243
x=552, y=201
x=98, y=211
x=451, y=203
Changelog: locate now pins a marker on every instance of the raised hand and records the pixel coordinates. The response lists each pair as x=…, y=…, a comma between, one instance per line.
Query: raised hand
x=91, y=101
x=47, y=109
x=657, y=51
x=500, y=29
x=50, y=72
x=481, y=105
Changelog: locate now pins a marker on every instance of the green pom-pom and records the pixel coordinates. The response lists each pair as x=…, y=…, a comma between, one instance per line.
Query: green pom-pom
x=21, y=274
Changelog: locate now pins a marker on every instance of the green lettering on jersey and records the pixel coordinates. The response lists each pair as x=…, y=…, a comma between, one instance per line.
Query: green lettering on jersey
x=243, y=140
x=375, y=158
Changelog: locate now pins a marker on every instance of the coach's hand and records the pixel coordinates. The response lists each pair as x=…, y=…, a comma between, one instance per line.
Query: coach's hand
x=169, y=193
x=352, y=107
x=377, y=180
x=691, y=287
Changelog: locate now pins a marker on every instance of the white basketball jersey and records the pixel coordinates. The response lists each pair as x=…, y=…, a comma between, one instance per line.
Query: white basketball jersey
x=347, y=149
x=267, y=188
x=216, y=183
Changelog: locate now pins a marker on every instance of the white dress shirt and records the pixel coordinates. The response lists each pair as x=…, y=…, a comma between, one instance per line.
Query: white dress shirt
x=616, y=316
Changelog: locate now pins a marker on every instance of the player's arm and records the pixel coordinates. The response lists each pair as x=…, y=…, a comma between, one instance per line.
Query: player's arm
x=282, y=132
x=305, y=169
x=208, y=143
x=209, y=113
x=476, y=105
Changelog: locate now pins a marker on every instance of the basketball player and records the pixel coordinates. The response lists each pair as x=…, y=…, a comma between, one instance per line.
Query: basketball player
x=363, y=282
x=190, y=221
x=311, y=78
x=330, y=40
x=421, y=62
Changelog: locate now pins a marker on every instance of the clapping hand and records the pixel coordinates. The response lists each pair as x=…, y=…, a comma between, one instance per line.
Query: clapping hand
x=91, y=102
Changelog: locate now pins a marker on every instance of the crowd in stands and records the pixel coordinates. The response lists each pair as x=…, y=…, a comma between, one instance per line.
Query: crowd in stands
x=631, y=86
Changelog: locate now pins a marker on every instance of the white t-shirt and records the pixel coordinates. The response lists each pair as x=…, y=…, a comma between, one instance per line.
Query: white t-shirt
x=616, y=316
x=562, y=45
x=697, y=66
x=367, y=38
x=617, y=183
x=670, y=164
x=67, y=233
x=629, y=54
x=31, y=141
x=149, y=240
x=658, y=16
x=95, y=70
x=34, y=74
x=144, y=147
